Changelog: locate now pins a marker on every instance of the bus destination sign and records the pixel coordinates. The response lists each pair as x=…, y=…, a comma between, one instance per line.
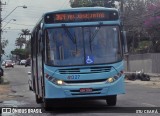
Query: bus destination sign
x=69, y=17
x=79, y=16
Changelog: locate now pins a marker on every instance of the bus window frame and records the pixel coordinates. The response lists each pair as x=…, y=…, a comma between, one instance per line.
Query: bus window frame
x=119, y=40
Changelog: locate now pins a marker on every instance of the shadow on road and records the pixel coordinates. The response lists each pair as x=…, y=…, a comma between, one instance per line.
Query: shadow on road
x=82, y=106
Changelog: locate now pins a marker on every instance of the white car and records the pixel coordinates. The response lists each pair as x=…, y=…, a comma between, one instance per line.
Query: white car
x=22, y=62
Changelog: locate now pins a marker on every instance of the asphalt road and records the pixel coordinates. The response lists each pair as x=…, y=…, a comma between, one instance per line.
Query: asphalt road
x=136, y=96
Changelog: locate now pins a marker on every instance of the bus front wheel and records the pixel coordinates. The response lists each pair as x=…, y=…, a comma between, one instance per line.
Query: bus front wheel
x=111, y=100
x=46, y=105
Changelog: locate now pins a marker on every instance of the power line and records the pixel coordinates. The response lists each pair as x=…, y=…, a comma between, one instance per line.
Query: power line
x=63, y=4
x=20, y=24
x=13, y=29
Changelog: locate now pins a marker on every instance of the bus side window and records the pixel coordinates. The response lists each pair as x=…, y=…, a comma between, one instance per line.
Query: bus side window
x=47, y=47
x=39, y=41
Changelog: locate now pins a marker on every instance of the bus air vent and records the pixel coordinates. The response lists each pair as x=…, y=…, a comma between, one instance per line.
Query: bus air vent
x=69, y=71
x=100, y=69
x=86, y=70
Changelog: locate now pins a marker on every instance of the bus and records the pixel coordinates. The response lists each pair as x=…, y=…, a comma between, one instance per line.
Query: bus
x=78, y=53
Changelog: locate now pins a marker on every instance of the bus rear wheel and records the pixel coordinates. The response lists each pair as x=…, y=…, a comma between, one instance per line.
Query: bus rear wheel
x=111, y=100
x=38, y=99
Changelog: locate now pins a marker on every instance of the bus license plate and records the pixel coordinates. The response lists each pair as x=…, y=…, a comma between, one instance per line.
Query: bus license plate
x=85, y=90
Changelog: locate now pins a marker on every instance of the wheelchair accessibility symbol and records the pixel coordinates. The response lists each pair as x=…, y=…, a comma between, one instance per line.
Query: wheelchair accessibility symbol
x=89, y=60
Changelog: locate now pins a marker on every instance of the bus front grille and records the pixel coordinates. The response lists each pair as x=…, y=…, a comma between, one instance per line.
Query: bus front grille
x=85, y=70
x=85, y=81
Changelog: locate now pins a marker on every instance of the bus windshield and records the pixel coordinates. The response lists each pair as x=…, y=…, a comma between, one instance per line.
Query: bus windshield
x=67, y=46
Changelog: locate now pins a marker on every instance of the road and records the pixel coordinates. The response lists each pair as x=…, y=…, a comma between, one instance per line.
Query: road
x=20, y=96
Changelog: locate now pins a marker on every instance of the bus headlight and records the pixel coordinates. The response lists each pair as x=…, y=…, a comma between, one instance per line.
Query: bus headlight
x=59, y=82
x=110, y=80
x=55, y=80
x=116, y=77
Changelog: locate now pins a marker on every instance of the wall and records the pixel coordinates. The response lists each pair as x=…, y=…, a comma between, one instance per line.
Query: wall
x=149, y=63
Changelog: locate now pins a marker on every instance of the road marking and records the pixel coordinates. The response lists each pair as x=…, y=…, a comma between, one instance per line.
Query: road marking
x=147, y=104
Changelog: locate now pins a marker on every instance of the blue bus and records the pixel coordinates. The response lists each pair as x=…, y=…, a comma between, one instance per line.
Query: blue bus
x=78, y=53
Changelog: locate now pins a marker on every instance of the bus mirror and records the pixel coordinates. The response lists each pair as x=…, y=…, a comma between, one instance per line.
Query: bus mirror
x=41, y=25
x=125, y=49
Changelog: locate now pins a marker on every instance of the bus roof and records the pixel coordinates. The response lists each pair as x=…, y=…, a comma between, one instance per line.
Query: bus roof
x=76, y=10
x=82, y=9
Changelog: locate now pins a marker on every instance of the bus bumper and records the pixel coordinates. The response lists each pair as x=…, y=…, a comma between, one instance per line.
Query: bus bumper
x=53, y=91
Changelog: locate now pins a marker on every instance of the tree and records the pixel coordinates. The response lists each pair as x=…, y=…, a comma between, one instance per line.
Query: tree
x=3, y=45
x=28, y=47
x=20, y=42
x=24, y=33
x=133, y=18
x=19, y=52
x=152, y=25
x=92, y=3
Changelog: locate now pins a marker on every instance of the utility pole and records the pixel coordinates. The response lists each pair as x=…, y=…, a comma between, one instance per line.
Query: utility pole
x=1, y=31
x=122, y=11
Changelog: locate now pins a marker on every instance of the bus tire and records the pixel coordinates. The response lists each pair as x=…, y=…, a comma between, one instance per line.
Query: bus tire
x=111, y=100
x=38, y=99
x=46, y=105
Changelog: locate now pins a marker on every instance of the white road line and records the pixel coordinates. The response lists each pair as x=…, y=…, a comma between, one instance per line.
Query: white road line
x=147, y=104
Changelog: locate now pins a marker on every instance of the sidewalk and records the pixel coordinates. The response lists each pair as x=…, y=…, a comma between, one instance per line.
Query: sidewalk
x=4, y=89
x=153, y=83
x=150, y=74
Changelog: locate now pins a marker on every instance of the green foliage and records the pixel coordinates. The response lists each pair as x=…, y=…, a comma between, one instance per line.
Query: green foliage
x=4, y=43
x=19, y=52
x=92, y=3
x=28, y=47
x=20, y=41
x=25, y=32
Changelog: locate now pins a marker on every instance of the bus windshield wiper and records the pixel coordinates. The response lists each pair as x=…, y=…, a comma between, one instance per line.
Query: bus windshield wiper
x=95, y=33
x=91, y=38
x=73, y=38
x=70, y=35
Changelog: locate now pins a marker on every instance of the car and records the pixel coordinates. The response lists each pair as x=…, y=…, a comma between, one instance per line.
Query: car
x=22, y=62
x=9, y=63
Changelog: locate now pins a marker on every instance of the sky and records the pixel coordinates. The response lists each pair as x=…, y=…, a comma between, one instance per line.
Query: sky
x=25, y=18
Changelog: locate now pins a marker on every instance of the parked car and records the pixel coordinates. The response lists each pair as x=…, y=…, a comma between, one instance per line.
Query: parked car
x=9, y=63
x=28, y=62
x=22, y=62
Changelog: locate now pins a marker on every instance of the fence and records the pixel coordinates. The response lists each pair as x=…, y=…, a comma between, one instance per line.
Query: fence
x=149, y=63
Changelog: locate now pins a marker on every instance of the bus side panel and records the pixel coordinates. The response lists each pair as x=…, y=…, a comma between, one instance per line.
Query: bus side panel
x=34, y=63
